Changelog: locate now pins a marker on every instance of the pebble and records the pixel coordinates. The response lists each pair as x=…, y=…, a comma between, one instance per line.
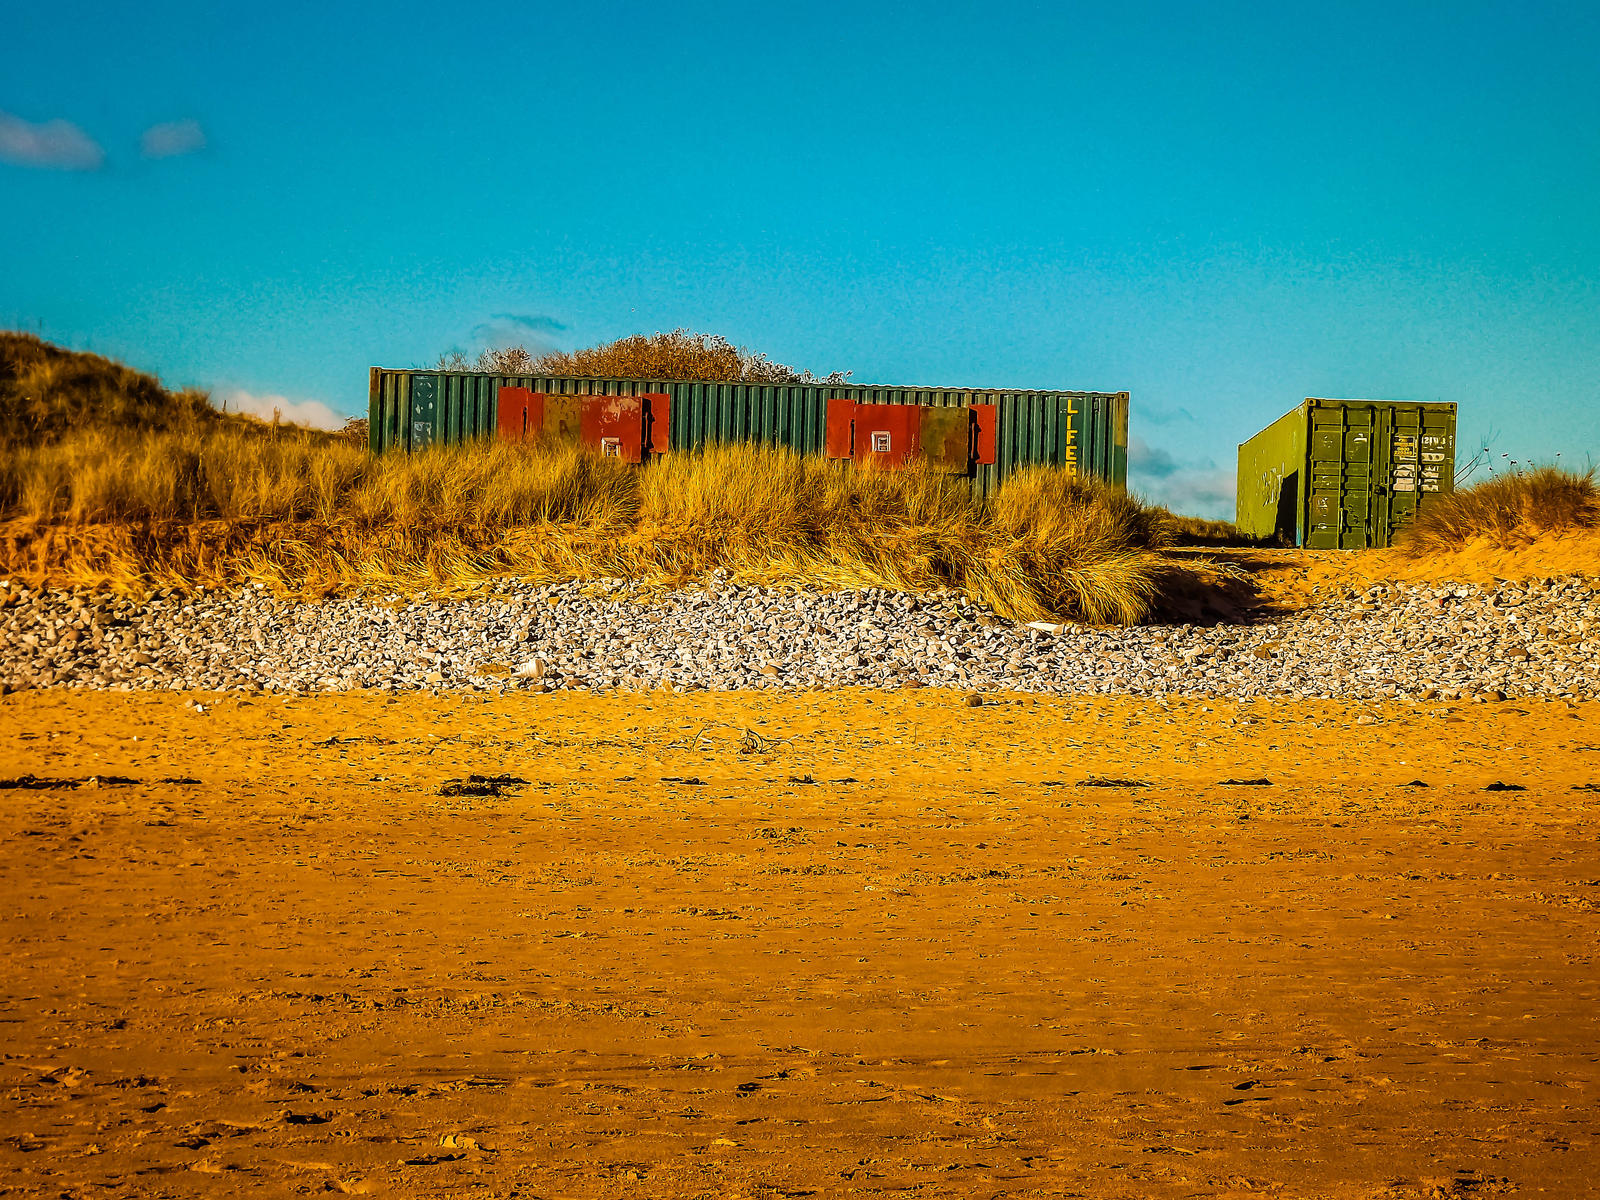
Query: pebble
x=1450, y=642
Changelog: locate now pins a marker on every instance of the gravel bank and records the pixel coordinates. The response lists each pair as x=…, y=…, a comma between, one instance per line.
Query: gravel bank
x=1449, y=641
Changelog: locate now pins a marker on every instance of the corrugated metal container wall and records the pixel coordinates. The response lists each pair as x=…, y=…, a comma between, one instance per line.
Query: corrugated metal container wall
x=1345, y=474
x=1088, y=430
x=1271, y=492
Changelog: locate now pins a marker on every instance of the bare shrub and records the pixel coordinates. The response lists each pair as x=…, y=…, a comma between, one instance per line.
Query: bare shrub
x=680, y=354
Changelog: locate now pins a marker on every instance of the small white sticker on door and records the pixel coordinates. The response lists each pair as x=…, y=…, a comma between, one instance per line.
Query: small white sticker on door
x=880, y=441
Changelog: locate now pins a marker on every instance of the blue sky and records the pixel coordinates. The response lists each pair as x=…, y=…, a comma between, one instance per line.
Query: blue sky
x=1219, y=208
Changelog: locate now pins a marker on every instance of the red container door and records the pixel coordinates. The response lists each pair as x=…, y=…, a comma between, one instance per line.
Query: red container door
x=888, y=435
x=519, y=414
x=614, y=425
x=841, y=427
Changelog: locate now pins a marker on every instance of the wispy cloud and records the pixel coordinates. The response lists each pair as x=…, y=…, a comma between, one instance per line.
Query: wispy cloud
x=298, y=412
x=1145, y=459
x=1192, y=492
x=172, y=138
x=534, y=331
x=54, y=145
x=1192, y=487
x=1164, y=416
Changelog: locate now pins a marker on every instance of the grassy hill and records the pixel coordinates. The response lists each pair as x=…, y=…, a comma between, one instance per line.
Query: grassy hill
x=47, y=392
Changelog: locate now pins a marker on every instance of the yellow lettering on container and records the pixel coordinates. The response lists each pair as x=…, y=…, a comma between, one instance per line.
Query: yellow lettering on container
x=1069, y=450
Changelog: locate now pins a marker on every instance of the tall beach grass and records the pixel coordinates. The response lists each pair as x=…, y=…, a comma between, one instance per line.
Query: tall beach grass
x=305, y=513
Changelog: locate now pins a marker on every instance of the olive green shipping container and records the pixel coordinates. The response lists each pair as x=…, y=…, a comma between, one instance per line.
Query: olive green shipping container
x=1345, y=474
x=1086, y=430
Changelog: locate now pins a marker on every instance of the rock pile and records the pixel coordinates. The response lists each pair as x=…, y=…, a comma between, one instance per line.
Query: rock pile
x=1537, y=639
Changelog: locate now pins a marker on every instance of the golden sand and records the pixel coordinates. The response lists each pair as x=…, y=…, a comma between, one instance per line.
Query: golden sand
x=831, y=944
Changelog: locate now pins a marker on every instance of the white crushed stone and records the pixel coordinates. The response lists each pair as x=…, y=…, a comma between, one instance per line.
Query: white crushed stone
x=1451, y=641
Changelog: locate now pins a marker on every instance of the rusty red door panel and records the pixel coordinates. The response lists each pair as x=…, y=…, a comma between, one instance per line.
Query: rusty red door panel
x=563, y=418
x=614, y=425
x=985, y=419
x=888, y=435
x=946, y=437
x=519, y=414
x=841, y=420
x=658, y=412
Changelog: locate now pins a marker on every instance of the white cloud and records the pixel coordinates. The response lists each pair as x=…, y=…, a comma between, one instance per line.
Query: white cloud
x=314, y=413
x=172, y=138
x=1190, y=491
x=58, y=145
x=1193, y=487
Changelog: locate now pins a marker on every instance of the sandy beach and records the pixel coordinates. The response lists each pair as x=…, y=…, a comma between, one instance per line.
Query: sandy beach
x=823, y=944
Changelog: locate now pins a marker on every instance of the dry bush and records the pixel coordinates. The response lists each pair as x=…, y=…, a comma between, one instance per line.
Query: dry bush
x=310, y=514
x=680, y=354
x=489, y=487
x=767, y=514
x=1507, y=511
x=1070, y=544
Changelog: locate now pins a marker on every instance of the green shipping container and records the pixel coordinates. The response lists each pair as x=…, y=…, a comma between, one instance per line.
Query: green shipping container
x=1345, y=474
x=1084, y=430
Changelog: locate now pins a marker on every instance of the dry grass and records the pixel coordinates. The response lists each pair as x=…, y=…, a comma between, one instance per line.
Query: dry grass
x=680, y=354
x=311, y=514
x=1507, y=511
x=107, y=479
x=1199, y=531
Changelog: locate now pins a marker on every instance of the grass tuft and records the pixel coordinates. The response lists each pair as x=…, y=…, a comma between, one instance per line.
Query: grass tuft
x=1507, y=511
